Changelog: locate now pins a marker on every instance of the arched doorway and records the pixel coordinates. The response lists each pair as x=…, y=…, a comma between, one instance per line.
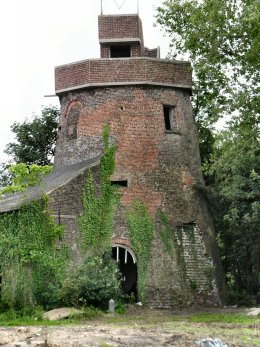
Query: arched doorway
x=127, y=265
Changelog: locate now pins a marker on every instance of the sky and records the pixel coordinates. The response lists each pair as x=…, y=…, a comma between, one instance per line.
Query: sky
x=37, y=35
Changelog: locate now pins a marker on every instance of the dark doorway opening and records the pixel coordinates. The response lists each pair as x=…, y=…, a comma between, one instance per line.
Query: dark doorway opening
x=127, y=266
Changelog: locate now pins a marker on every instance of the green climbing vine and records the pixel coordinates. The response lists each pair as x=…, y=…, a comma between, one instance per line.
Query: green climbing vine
x=141, y=228
x=166, y=234
x=32, y=256
x=96, y=220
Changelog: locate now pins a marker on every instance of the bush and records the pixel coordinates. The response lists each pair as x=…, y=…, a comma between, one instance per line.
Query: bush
x=94, y=282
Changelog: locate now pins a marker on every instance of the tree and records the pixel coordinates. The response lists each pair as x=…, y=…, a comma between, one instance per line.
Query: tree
x=5, y=176
x=35, y=139
x=20, y=176
x=235, y=167
x=222, y=40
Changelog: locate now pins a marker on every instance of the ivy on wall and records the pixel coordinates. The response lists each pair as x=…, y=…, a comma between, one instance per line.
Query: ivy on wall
x=96, y=220
x=141, y=227
x=32, y=260
x=166, y=234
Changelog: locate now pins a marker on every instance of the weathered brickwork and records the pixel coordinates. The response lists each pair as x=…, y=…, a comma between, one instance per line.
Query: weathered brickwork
x=120, y=27
x=161, y=166
x=90, y=73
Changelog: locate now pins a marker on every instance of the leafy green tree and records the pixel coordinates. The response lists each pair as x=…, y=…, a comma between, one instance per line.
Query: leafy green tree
x=236, y=171
x=5, y=176
x=222, y=41
x=22, y=176
x=35, y=139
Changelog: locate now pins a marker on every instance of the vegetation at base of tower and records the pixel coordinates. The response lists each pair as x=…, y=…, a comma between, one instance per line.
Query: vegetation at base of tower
x=97, y=218
x=32, y=257
x=35, y=139
x=141, y=228
x=221, y=39
x=22, y=176
x=94, y=281
x=96, y=278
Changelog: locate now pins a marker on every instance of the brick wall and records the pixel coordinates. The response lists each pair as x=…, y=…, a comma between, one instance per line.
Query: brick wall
x=128, y=70
x=162, y=169
x=122, y=26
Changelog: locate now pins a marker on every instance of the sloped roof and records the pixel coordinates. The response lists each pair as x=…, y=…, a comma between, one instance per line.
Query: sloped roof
x=57, y=178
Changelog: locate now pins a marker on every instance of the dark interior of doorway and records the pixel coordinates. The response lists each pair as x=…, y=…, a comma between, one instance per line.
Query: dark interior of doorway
x=127, y=269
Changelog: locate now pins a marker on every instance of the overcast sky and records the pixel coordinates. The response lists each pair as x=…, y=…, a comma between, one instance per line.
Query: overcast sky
x=37, y=35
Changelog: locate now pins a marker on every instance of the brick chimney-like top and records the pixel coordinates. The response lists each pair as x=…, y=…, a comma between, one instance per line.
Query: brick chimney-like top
x=121, y=36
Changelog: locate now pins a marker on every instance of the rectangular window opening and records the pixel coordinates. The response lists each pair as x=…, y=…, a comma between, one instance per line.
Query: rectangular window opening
x=120, y=51
x=169, y=117
x=121, y=183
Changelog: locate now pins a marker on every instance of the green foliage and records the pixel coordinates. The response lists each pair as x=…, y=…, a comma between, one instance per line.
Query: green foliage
x=5, y=176
x=221, y=38
x=86, y=313
x=35, y=140
x=236, y=171
x=32, y=317
x=97, y=218
x=166, y=234
x=23, y=176
x=218, y=37
x=94, y=282
x=96, y=279
x=121, y=307
x=30, y=254
x=232, y=318
x=141, y=228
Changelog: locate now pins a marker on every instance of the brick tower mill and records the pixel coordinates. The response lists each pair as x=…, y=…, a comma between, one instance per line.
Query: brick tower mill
x=146, y=102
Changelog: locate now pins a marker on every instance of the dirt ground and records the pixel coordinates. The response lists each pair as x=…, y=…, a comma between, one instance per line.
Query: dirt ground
x=138, y=327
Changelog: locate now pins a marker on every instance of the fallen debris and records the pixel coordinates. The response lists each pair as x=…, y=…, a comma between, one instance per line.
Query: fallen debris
x=211, y=343
x=254, y=311
x=61, y=313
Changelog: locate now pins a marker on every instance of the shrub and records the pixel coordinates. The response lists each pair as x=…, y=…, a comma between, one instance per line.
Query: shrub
x=93, y=282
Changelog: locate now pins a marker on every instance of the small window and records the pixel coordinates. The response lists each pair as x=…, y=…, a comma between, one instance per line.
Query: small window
x=122, y=183
x=169, y=117
x=121, y=51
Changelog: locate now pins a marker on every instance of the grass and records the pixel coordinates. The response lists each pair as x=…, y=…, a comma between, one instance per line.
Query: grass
x=234, y=328
x=228, y=318
x=17, y=318
x=223, y=318
x=34, y=318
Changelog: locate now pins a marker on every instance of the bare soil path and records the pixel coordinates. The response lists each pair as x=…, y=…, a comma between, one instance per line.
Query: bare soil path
x=138, y=327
